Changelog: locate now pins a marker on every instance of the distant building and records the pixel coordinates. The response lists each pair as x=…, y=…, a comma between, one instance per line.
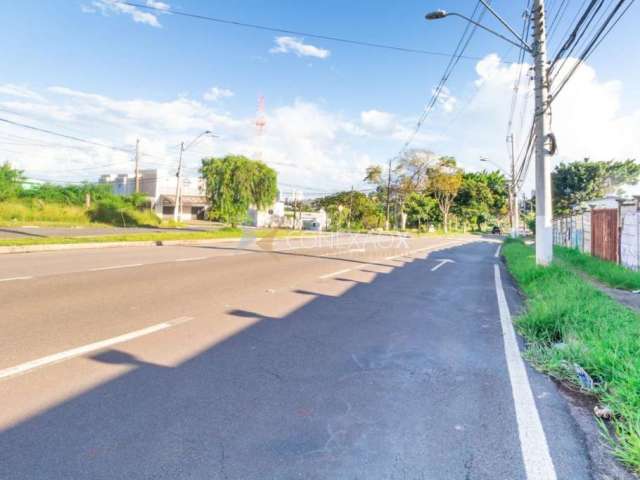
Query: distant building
x=273, y=216
x=160, y=189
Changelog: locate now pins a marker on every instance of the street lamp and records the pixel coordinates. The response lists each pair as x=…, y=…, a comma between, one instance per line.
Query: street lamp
x=542, y=118
x=177, y=209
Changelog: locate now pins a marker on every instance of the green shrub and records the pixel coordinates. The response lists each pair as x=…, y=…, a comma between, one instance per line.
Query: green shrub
x=569, y=321
x=38, y=211
x=118, y=212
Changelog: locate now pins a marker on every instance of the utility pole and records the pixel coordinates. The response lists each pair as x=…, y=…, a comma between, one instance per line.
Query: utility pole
x=386, y=222
x=137, y=165
x=350, y=209
x=513, y=205
x=544, y=215
x=178, y=203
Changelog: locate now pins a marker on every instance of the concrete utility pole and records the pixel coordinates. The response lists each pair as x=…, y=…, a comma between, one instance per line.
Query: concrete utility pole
x=544, y=214
x=386, y=222
x=178, y=203
x=542, y=119
x=137, y=165
x=513, y=207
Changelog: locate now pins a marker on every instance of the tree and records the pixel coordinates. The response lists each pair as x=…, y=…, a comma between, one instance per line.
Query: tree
x=577, y=182
x=420, y=209
x=409, y=175
x=234, y=183
x=482, y=195
x=357, y=208
x=445, y=180
x=10, y=182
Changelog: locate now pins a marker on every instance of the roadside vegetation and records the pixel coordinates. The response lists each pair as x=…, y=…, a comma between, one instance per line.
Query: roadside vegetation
x=422, y=192
x=609, y=273
x=85, y=204
x=569, y=322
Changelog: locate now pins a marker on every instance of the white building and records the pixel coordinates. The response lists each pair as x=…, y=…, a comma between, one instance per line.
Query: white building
x=270, y=217
x=160, y=189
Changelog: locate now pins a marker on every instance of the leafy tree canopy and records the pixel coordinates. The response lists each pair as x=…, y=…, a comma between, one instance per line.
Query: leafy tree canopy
x=10, y=182
x=234, y=183
x=581, y=181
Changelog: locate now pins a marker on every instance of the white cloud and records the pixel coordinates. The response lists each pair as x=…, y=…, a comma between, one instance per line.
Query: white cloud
x=108, y=7
x=216, y=93
x=308, y=145
x=446, y=100
x=378, y=121
x=587, y=118
x=298, y=47
x=158, y=5
x=19, y=91
x=387, y=125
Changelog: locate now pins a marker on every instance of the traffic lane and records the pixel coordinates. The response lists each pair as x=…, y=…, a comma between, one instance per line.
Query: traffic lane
x=370, y=383
x=42, y=388
x=43, y=316
x=15, y=267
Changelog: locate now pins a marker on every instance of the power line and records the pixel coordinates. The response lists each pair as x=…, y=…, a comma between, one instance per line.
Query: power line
x=595, y=41
x=291, y=32
x=453, y=61
x=62, y=135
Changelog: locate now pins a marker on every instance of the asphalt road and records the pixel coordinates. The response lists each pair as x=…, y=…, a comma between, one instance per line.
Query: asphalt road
x=364, y=358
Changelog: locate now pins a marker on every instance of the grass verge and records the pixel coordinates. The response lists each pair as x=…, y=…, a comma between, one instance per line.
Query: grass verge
x=612, y=274
x=150, y=237
x=568, y=321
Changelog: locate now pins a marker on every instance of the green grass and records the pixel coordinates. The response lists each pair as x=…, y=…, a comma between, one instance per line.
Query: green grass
x=609, y=273
x=30, y=211
x=150, y=237
x=569, y=321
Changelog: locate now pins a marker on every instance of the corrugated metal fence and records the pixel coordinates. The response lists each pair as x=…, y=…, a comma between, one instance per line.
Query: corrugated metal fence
x=612, y=234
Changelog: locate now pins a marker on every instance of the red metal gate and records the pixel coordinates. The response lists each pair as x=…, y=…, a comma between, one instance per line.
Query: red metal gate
x=604, y=234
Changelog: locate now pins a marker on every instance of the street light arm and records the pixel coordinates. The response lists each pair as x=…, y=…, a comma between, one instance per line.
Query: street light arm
x=521, y=43
x=192, y=143
x=506, y=25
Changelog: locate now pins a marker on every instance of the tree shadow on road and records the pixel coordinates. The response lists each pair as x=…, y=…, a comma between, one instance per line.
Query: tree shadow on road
x=343, y=387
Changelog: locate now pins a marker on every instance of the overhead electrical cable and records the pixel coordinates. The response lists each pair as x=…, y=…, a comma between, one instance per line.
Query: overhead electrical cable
x=267, y=28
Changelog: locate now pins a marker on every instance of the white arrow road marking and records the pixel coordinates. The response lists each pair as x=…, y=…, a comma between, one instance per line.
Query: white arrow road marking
x=442, y=262
x=533, y=443
x=92, y=347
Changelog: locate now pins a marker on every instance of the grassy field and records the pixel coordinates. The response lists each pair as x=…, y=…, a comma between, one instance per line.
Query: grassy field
x=153, y=237
x=19, y=212
x=607, y=272
x=567, y=322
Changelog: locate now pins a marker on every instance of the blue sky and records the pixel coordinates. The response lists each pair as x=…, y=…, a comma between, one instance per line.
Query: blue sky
x=329, y=114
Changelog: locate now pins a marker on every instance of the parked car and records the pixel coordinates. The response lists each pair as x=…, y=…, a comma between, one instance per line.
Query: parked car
x=496, y=230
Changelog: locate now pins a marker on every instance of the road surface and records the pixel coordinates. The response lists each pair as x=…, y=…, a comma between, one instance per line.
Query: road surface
x=358, y=358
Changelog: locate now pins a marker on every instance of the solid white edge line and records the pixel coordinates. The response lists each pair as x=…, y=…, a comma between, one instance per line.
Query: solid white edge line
x=114, y=267
x=533, y=443
x=497, y=254
x=91, y=347
x=10, y=279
